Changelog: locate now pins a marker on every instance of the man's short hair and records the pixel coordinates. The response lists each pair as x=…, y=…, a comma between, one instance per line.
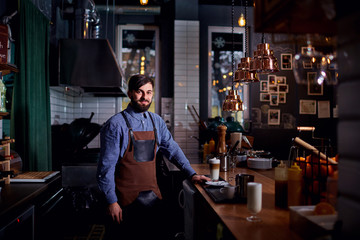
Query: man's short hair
x=139, y=80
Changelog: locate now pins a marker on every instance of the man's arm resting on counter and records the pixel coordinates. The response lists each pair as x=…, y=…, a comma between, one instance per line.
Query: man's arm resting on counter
x=196, y=178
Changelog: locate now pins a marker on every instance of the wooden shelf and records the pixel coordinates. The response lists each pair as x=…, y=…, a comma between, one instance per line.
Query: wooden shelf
x=8, y=68
x=3, y=114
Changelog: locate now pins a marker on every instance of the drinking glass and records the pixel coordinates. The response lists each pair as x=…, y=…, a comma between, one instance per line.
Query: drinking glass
x=254, y=200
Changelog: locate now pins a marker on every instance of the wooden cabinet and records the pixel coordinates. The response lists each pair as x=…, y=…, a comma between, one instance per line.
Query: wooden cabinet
x=295, y=16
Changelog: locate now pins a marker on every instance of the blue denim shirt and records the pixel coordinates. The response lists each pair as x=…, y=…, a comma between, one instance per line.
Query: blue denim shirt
x=114, y=139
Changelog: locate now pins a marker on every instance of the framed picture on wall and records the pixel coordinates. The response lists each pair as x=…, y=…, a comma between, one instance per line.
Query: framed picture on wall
x=313, y=87
x=282, y=97
x=274, y=117
x=283, y=88
x=274, y=99
x=264, y=86
x=307, y=65
x=286, y=61
x=273, y=88
x=307, y=107
x=265, y=97
x=272, y=79
x=280, y=79
x=306, y=50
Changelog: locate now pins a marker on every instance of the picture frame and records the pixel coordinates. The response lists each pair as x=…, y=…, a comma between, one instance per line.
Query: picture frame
x=264, y=97
x=274, y=117
x=307, y=107
x=271, y=79
x=286, y=61
x=280, y=79
x=273, y=88
x=305, y=50
x=264, y=86
x=307, y=65
x=274, y=99
x=282, y=97
x=283, y=88
x=313, y=87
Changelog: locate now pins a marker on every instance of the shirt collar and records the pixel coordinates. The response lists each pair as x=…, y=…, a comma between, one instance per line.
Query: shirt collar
x=133, y=113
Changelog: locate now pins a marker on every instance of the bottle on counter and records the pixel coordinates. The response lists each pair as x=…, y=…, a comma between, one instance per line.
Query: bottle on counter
x=211, y=146
x=206, y=152
x=281, y=185
x=221, y=150
x=295, y=185
x=221, y=145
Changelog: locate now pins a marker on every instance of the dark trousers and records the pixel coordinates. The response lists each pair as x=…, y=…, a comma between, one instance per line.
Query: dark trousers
x=140, y=222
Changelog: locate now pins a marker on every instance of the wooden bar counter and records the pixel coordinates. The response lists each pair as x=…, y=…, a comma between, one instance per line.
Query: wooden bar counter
x=275, y=221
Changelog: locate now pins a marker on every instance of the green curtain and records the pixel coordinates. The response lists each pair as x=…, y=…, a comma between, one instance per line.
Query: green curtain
x=30, y=115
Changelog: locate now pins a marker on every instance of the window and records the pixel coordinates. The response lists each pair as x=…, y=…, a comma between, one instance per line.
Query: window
x=220, y=69
x=137, y=52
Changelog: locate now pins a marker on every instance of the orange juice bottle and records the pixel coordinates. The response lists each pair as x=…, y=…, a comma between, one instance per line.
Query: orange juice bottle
x=211, y=146
x=206, y=152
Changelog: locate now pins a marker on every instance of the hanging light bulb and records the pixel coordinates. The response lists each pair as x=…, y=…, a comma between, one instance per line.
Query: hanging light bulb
x=242, y=20
x=143, y=2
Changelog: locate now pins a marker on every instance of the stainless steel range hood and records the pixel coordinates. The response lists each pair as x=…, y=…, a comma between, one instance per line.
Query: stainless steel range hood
x=92, y=65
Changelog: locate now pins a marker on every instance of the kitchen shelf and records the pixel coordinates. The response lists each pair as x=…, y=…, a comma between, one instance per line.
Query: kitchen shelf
x=3, y=114
x=8, y=68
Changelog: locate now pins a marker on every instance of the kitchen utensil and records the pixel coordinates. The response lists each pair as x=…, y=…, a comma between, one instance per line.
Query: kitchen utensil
x=228, y=191
x=306, y=145
x=241, y=185
x=233, y=148
x=201, y=123
x=224, y=163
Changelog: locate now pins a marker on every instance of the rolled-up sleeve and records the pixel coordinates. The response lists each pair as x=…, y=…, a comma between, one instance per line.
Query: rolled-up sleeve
x=109, y=155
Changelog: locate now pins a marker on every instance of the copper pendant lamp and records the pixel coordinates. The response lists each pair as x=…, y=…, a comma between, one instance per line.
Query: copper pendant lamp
x=244, y=72
x=232, y=101
x=264, y=60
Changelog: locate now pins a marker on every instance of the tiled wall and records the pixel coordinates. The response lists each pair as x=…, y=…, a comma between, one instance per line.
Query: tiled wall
x=65, y=107
x=186, y=86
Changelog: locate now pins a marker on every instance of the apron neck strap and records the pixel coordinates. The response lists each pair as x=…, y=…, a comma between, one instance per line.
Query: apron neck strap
x=152, y=120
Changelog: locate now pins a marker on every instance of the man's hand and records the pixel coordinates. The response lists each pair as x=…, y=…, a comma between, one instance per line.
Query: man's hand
x=115, y=212
x=199, y=178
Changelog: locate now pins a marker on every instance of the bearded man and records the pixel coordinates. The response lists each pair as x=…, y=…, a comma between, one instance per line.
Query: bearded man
x=127, y=169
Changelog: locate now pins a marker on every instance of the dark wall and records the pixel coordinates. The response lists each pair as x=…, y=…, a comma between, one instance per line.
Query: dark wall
x=278, y=138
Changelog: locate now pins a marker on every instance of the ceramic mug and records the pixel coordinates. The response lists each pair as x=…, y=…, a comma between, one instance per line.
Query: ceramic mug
x=228, y=191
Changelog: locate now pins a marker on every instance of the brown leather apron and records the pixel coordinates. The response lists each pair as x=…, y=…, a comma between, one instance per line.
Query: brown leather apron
x=136, y=171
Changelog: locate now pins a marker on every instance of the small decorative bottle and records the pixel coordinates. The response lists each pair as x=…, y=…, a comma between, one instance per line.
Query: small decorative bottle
x=281, y=185
x=2, y=95
x=295, y=185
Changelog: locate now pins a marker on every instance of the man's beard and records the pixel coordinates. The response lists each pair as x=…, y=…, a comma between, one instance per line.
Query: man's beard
x=138, y=107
